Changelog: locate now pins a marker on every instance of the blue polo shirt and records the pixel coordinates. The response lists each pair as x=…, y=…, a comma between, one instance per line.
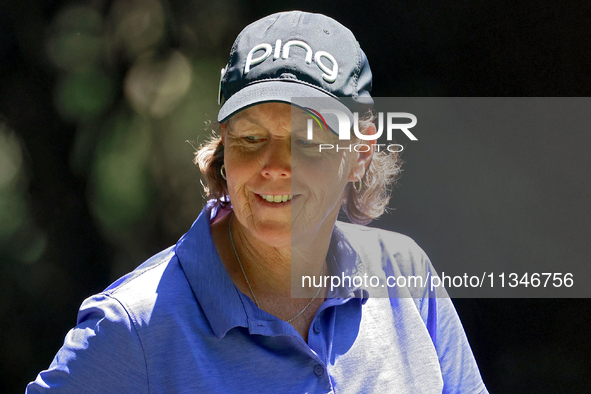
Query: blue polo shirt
x=178, y=324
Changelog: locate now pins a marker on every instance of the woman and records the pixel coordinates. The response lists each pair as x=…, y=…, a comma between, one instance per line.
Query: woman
x=215, y=312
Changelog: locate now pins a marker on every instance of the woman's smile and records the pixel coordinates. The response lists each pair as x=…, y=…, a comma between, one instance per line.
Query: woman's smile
x=276, y=198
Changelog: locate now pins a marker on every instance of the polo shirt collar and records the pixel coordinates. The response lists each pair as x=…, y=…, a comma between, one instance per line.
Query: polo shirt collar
x=224, y=306
x=216, y=293
x=343, y=260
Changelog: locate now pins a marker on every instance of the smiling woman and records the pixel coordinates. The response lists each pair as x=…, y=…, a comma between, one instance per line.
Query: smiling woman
x=226, y=309
x=361, y=206
x=285, y=196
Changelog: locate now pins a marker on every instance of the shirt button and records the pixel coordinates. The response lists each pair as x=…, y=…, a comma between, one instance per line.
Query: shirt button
x=318, y=370
x=316, y=327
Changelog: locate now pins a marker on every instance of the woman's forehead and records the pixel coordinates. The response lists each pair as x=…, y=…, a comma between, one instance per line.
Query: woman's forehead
x=269, y=114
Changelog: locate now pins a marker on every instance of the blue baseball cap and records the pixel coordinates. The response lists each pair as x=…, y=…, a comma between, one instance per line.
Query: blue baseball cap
x=295, y=55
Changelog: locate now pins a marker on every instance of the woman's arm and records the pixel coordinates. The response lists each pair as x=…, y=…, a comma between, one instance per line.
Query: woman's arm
x=102, y=354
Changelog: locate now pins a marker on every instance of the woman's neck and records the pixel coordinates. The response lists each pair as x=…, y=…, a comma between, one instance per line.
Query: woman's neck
x=275, y=270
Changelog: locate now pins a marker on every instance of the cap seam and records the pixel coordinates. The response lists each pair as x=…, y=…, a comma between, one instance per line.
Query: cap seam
x=357, y=70
x=273, y=24
x=295, y=33
x=232, y=52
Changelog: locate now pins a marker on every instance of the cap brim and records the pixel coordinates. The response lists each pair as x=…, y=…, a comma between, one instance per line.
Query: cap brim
x=285, y=91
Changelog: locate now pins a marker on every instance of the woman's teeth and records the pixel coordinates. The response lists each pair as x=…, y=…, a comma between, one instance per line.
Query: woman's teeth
x=282, y=198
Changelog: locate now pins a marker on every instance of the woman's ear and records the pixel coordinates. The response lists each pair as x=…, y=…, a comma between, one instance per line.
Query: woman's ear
x=366, y=150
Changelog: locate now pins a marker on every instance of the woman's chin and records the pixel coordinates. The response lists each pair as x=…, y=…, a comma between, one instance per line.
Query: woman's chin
x=274, y=234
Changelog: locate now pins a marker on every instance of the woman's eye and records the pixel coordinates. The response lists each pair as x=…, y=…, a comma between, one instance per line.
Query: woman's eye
x=305, y=143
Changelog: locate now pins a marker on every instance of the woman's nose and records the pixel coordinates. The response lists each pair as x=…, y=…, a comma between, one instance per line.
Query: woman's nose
x=278, y=159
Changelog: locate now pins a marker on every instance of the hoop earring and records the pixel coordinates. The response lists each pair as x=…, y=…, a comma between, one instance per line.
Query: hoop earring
x=223, y=171
x=357, y=190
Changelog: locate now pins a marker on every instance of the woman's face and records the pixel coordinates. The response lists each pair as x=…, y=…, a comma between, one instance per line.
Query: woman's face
x=282, y=188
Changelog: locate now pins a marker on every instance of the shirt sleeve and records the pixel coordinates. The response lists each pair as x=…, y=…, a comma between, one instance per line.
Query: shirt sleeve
x=102, y=354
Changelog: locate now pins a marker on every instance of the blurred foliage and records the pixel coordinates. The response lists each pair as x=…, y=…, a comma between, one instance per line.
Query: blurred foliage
x=12, y=206
x=137, y=81
x=96, y=172
x=18, y=227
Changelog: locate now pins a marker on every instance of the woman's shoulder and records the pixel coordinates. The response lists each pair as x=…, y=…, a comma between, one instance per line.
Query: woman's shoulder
x=156, y=282
x=116, y=329
x=145, y=271
x=147, y=276
x=401, y=264
x=371, y=239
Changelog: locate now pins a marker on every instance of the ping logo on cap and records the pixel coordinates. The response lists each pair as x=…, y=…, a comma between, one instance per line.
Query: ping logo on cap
x=328, y=74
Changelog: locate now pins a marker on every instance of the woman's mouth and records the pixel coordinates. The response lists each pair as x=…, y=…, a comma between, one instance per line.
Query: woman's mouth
x=276, y=198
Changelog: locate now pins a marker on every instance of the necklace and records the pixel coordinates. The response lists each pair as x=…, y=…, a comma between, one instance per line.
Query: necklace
x=250, y=287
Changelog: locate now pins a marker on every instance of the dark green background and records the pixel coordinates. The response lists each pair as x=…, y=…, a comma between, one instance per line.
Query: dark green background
x=96, y=175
